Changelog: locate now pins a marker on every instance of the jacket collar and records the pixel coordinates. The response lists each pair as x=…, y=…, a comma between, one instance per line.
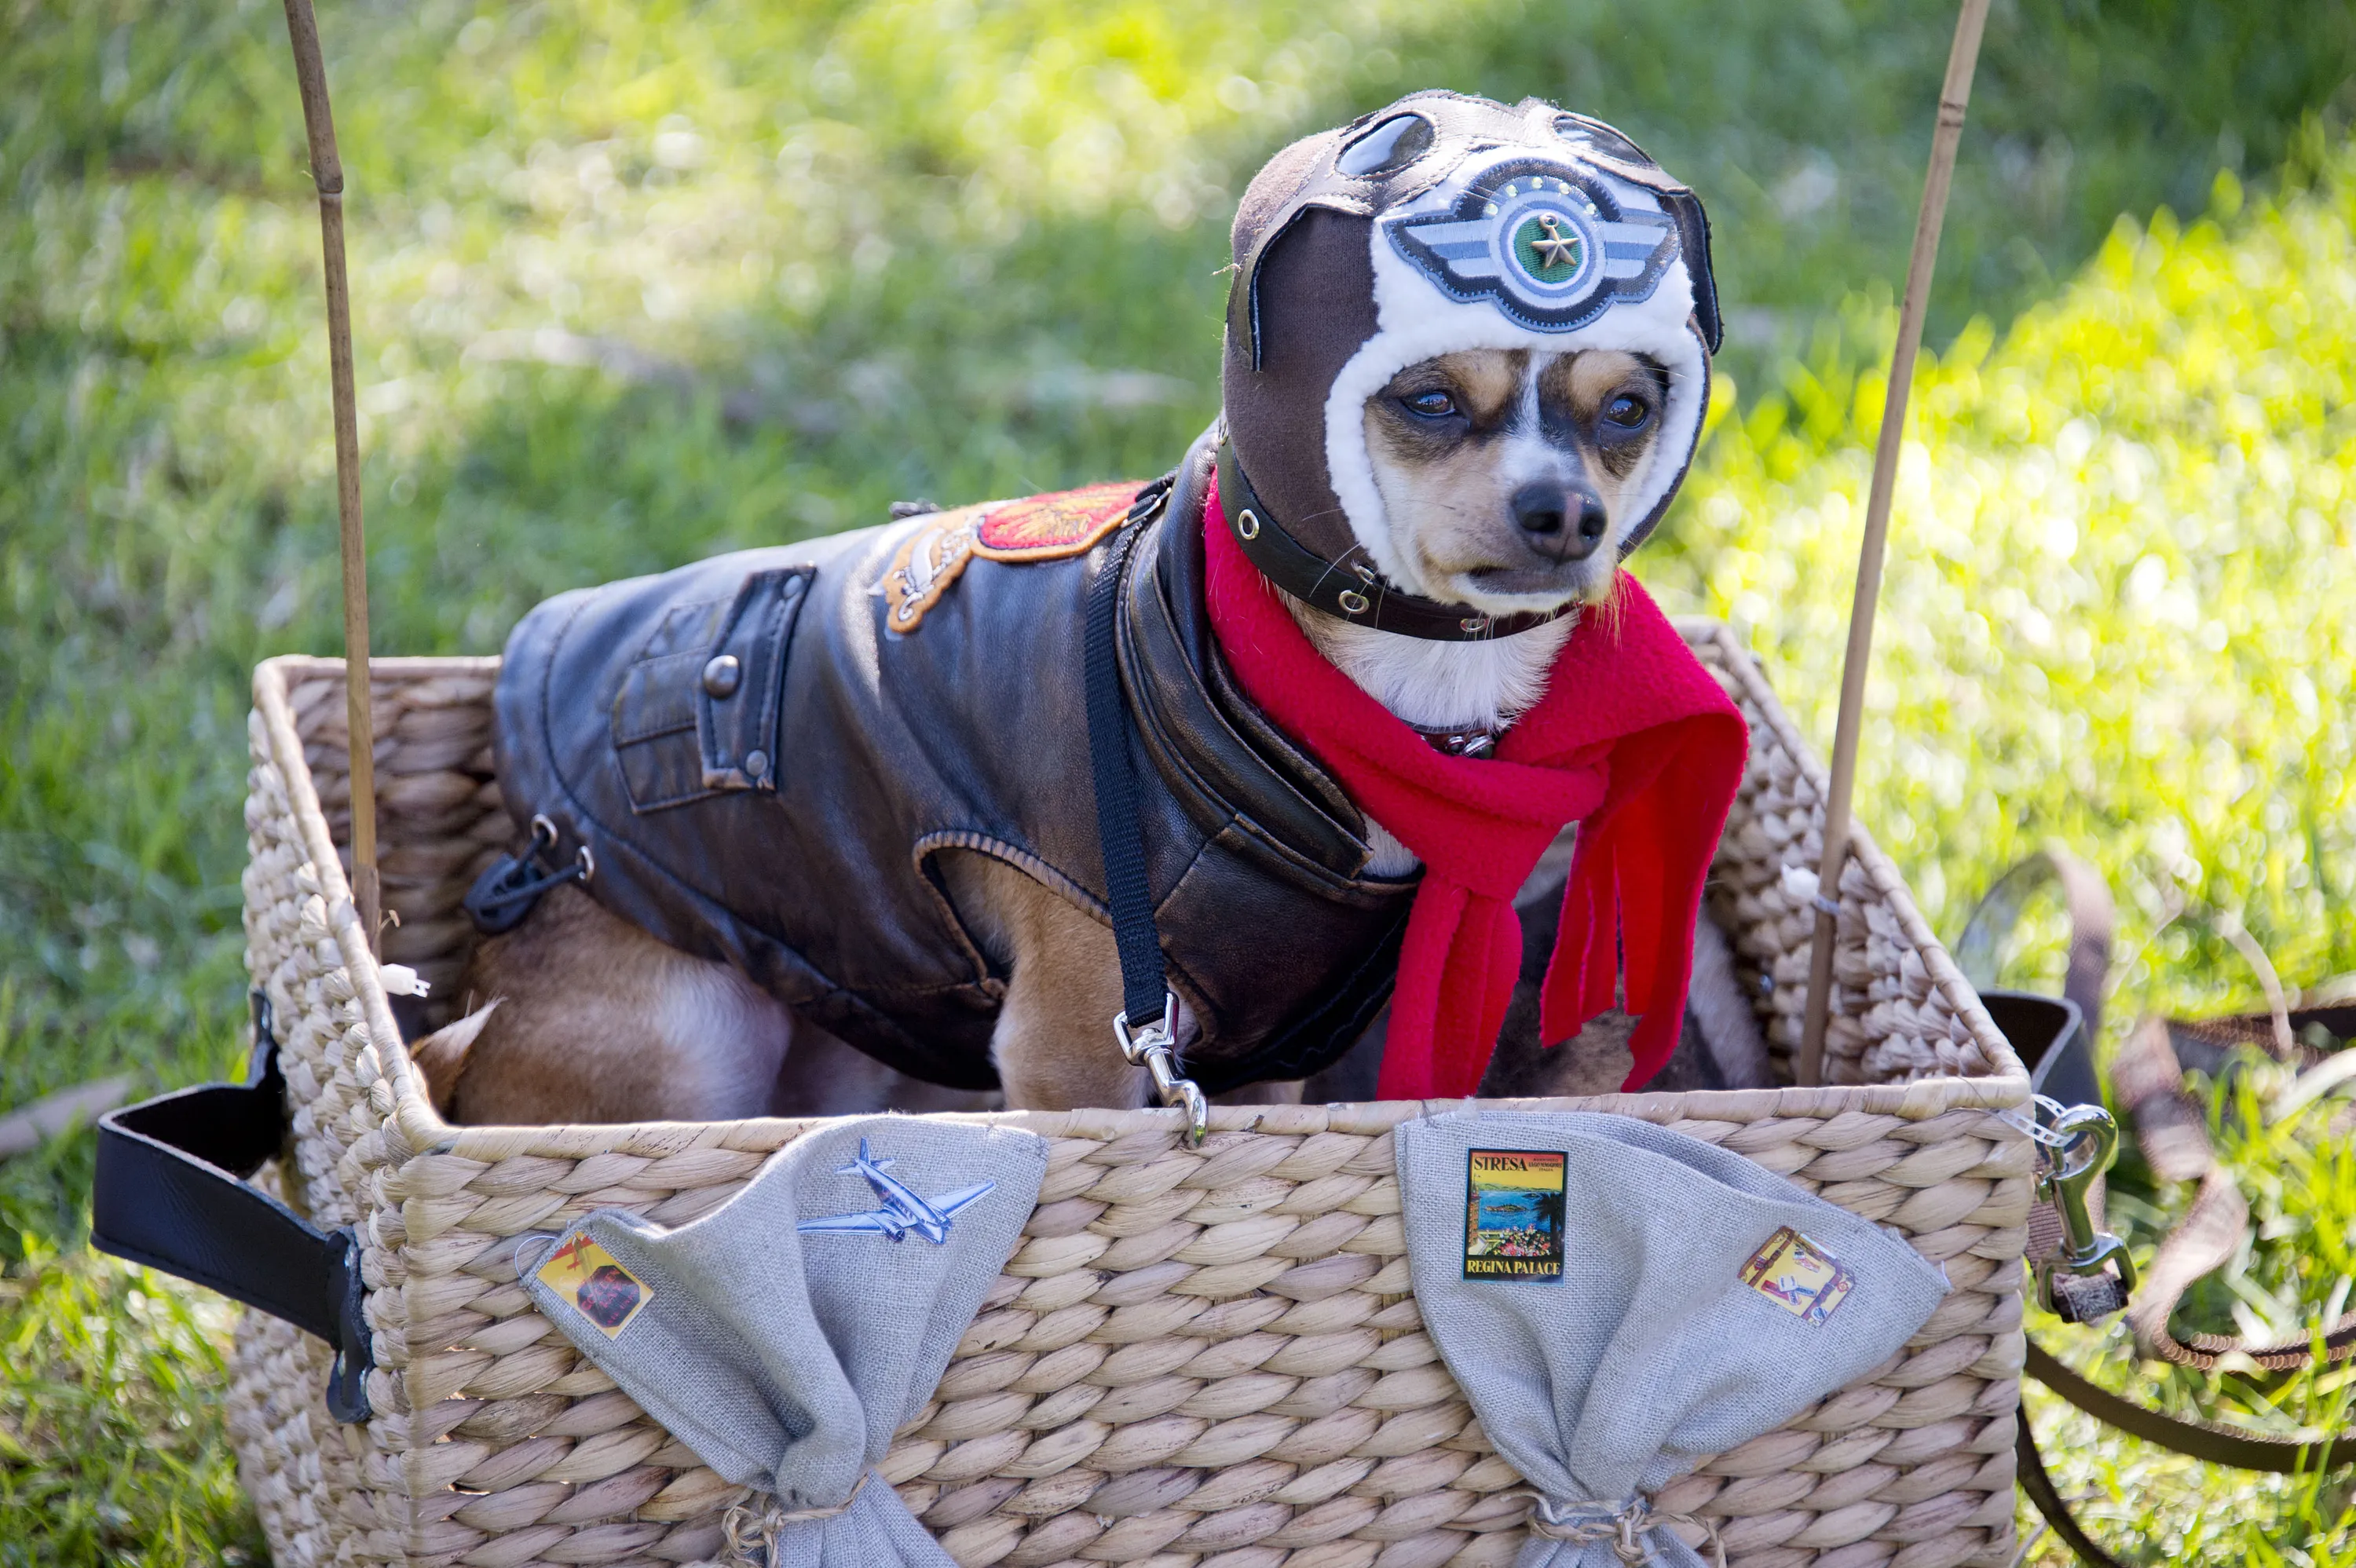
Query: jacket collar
x=1214, y=749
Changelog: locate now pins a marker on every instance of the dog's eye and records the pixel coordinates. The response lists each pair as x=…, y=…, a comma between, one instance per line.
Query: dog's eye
x=1430, y=405
x=1628, y=412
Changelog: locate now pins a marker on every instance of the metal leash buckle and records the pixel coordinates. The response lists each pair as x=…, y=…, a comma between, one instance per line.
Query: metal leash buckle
x=1154, y=1049
x=2075, y=1147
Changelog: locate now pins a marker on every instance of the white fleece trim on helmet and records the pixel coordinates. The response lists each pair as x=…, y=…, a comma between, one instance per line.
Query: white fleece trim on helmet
x=1415, y=321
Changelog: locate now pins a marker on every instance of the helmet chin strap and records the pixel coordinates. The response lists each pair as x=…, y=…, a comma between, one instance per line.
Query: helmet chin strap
x=1350, y=589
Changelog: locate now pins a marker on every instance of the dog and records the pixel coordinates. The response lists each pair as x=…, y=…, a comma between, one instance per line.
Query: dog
x=1502, y=481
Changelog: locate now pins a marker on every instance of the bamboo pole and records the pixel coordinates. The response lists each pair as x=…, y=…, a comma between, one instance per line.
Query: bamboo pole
x=1953, y=95
x=327, y=174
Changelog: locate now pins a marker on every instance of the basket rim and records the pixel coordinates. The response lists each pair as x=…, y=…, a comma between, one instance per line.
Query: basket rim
x=415, y=1122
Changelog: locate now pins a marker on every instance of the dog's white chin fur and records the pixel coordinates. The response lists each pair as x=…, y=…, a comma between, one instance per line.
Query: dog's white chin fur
x=1436, y=686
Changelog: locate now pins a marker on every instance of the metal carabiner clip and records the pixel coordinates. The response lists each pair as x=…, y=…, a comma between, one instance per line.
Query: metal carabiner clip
x=2078, y=1283
x=1154, y=1049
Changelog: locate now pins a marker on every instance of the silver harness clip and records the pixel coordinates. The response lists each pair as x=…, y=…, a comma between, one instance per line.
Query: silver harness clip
x=1153, y=1047
x=2075, y=1147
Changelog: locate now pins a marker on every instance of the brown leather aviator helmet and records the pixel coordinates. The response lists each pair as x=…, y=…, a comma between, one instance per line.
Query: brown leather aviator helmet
x=1433, y=226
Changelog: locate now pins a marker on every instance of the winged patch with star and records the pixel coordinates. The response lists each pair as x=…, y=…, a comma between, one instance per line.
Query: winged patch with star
x=1554, y=247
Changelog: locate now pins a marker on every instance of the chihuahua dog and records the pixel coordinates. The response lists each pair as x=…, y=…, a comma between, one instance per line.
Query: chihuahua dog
x=1467, y=355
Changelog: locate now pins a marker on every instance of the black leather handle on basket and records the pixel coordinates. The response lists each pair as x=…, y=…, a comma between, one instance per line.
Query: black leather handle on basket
x=170, y=1194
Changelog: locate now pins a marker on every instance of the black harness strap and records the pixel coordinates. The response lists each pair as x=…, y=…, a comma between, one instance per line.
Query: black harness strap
x=1143, y=979
x=510, y=886
x=1146, y=1029
x=170, y=1194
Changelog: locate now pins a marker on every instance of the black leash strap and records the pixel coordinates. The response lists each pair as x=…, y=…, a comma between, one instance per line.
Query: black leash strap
x=2029, y=1472
x=170, y=1193
x=2204, y=1440
x=1149, y=1011
x=1144, y=985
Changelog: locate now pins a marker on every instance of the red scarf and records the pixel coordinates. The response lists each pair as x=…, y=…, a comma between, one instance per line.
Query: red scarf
x=1633, y=739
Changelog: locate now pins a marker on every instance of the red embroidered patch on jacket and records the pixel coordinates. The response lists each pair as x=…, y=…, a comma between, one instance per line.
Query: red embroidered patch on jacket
x=1040, y=528
x=1046, y=528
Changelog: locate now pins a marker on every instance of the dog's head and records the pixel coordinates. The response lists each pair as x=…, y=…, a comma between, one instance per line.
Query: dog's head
x=1468, y=349
x=1505, y=473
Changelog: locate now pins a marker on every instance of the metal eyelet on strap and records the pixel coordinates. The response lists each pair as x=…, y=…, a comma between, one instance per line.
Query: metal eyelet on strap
x=543, y=838
x=1247, y=523
x=1154, y=1049
x=507, y=890
x=1354, y=602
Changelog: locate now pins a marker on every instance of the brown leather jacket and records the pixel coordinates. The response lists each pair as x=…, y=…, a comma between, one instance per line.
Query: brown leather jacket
x=787, y=822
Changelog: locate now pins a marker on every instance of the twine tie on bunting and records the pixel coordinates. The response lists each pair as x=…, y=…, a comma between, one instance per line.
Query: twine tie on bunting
x=753, y=1537
x=1593, y=1523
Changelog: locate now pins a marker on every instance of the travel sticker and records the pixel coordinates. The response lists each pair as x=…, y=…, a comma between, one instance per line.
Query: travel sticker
x=1512, y=1214
x=1799, y=1276
x=587, y=1276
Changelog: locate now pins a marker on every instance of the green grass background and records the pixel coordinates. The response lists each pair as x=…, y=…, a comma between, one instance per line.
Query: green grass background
x=635, y=284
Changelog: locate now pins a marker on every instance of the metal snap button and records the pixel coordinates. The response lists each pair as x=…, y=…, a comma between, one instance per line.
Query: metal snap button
x=723, y=676
x=757, y=764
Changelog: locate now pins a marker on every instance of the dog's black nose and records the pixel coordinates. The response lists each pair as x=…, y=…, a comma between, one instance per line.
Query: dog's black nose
x=1538, y=509
x=1564, y=524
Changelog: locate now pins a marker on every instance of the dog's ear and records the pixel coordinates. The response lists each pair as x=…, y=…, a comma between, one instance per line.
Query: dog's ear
x=441, y=1056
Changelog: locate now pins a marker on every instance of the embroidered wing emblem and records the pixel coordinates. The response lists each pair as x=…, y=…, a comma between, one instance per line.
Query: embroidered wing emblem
x=1553, y=247
x=928, y=560
x=1038, y=528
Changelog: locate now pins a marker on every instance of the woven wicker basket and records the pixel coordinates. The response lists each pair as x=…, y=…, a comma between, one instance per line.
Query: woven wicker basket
x=1200, y=1357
